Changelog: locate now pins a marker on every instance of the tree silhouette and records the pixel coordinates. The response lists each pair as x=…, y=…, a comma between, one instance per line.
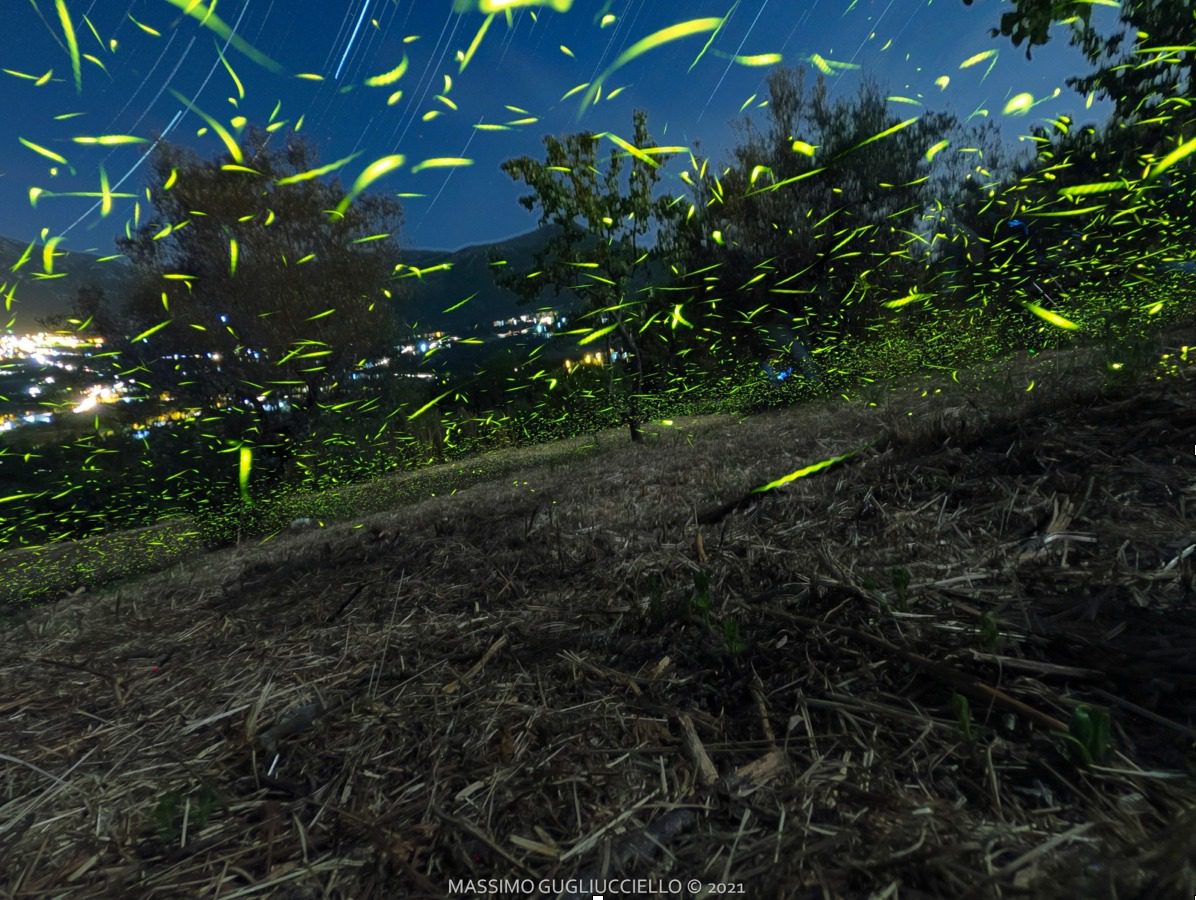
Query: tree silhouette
x=600, y=247
x=814, y=212
x=251, y=293
x=1145, y=65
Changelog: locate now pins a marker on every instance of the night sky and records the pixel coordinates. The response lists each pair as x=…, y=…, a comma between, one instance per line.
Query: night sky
x=527, y=64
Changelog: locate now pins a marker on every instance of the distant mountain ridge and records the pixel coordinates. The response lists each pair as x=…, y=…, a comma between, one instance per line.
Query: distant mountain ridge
x=428, y=298
x=35, y=297
x=421, y=303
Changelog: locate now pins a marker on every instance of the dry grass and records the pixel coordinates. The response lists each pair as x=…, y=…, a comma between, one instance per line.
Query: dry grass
x=46, y=572
x=516, y=680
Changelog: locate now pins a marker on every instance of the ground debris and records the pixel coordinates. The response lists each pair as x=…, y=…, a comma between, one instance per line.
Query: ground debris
x=870, y=683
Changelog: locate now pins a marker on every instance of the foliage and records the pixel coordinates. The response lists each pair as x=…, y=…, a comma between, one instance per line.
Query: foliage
x=963, y=717
x=169, y=813
x=1030, y=21
x=798, y=234
x=266, y=297
x=600, y=247
x=1089, y=738
x=1145, y=65
x=988, y=632
x=832, y=224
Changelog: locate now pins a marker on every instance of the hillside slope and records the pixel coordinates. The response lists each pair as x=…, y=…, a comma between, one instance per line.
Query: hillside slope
x=860, y=683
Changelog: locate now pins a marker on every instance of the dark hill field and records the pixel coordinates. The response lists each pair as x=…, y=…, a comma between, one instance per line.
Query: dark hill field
x=956, y=662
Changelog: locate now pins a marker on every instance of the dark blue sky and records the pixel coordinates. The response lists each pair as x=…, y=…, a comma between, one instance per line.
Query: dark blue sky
x=906, y=44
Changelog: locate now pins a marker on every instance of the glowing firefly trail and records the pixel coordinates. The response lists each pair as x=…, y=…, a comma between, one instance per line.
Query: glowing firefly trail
x=429, y=70
x=447, y=178
x=178, y=116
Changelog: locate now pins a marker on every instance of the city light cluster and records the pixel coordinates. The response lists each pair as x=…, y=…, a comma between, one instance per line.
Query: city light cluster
x=44, y=345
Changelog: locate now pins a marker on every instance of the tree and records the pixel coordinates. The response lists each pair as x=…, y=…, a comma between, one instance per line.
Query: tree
x=600, y=245
x=1140, y=162
x=1145, y=66
x=812, y=214
x=251, y=292
x=92, y=311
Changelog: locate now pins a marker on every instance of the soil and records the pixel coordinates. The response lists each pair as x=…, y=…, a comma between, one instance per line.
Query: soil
x=887, y=677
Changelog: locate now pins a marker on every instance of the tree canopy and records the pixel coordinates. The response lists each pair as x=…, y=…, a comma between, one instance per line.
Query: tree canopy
x=815, y=208
x=602, y=228
x=252, y=289
x=1133, y=173
x=1145, y=64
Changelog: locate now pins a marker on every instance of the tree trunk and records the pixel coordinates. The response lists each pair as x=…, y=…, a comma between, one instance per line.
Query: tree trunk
x=273, y=446
x=637, y=386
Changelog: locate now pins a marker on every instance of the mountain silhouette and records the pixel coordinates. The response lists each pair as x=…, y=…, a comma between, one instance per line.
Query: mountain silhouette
x=37, y=295
x=420, y=303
